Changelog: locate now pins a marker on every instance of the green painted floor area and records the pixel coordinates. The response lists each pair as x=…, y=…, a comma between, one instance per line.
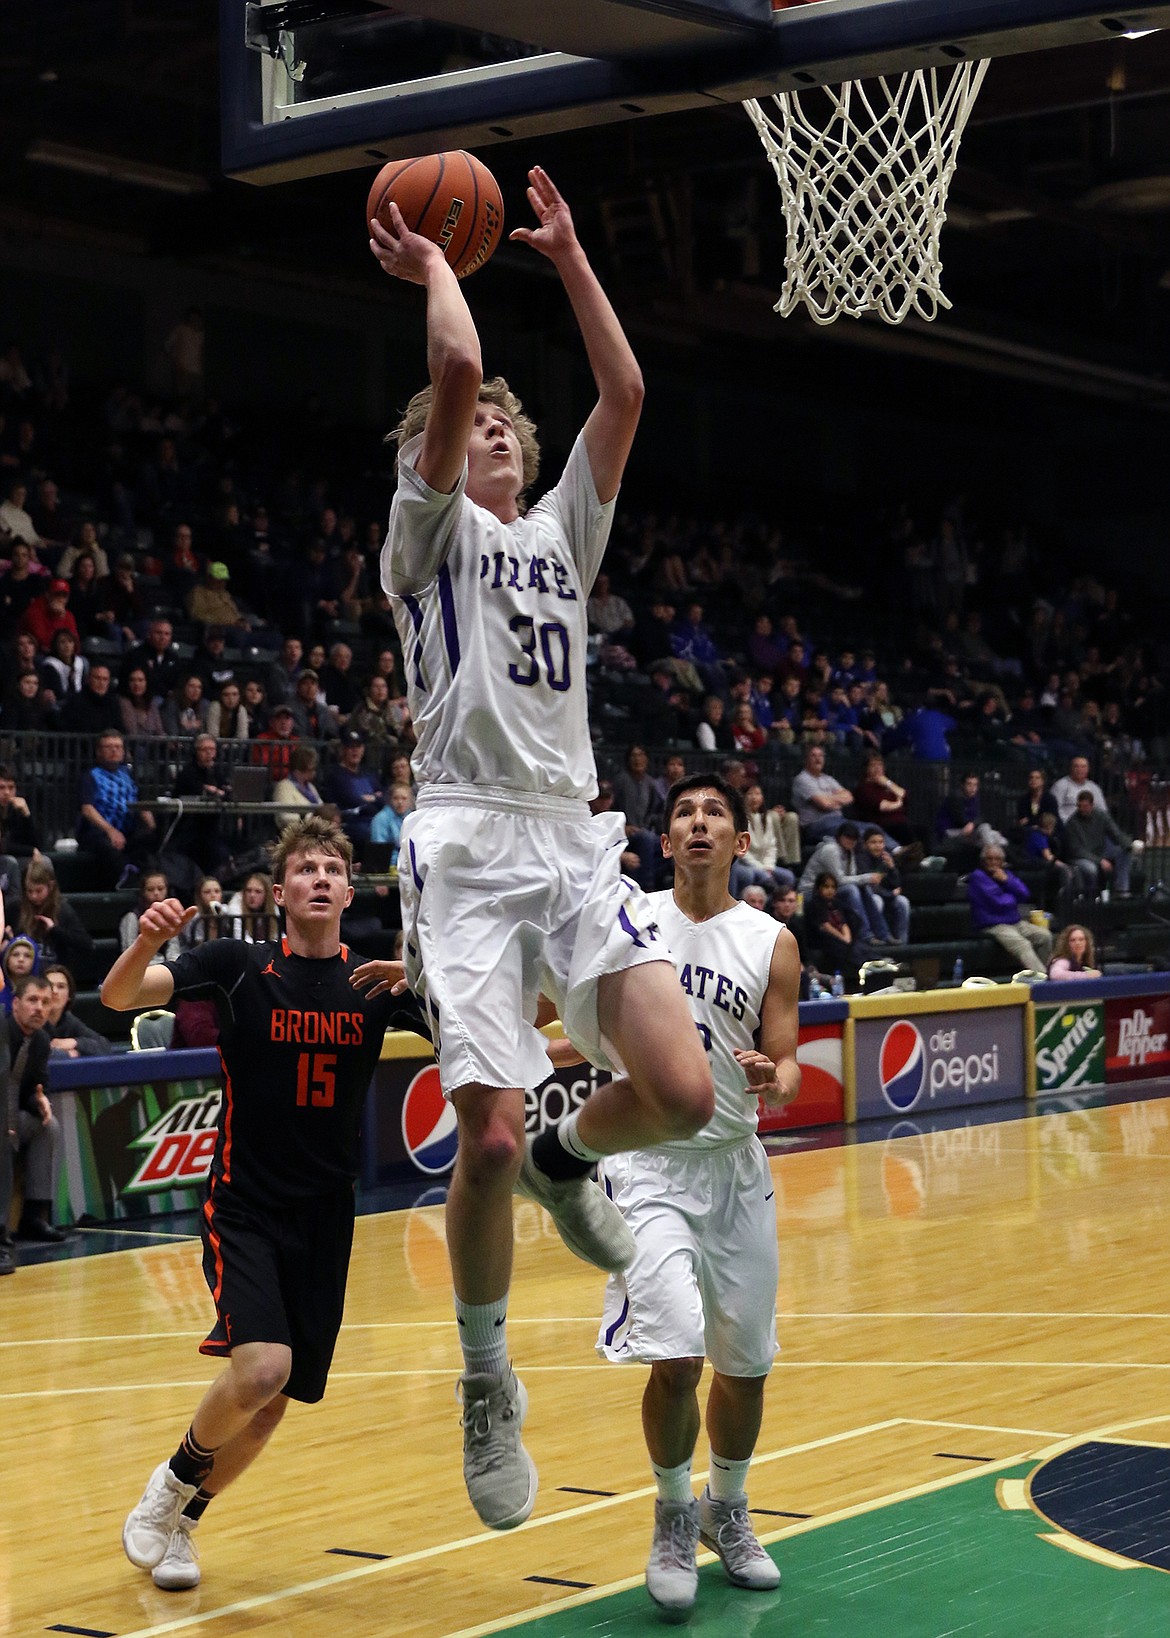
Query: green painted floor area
x=952, y=1562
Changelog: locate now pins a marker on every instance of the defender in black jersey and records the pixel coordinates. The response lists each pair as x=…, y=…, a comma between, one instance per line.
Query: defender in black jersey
x=301, y=1029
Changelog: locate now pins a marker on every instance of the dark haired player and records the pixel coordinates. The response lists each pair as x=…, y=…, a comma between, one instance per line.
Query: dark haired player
x=703, y=1279
x=299, y=1042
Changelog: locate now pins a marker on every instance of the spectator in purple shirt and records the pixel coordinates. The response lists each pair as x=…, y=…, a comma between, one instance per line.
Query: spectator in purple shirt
x=995, y=896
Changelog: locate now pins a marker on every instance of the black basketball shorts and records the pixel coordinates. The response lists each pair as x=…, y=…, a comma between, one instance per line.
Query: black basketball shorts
x=278, y=1275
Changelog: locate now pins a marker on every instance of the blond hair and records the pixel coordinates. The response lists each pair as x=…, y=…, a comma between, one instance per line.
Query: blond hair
x=307, y=834
x=497, y=392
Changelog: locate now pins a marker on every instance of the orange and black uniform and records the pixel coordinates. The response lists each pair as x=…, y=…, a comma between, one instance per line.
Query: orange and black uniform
x=299, y=1045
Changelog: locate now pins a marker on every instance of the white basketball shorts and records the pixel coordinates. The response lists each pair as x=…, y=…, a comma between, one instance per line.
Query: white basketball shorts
x=503, y=897
x=703, y=1279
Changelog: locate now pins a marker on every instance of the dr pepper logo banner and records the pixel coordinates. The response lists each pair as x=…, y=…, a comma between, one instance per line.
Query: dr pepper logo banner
x=1137, y=1038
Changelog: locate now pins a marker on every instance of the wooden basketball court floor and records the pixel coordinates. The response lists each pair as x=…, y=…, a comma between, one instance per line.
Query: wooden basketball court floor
x=958, y=1309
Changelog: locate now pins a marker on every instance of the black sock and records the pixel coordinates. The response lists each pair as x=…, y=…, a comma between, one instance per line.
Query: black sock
x=197, y=1506
x=35, y=1211
x=554, y=1160
x=191, y=1463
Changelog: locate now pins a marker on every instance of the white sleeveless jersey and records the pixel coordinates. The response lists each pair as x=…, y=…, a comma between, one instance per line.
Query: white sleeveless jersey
x=493, y=626
x=723, y=966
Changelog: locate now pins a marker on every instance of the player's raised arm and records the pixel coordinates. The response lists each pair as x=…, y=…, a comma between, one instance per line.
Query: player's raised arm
x=773, y=1072
x=454, y=362
x=610, y=429
x=132, y=982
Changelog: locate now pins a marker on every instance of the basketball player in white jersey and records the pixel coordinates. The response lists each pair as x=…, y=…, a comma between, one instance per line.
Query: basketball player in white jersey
x=703, y=1279
x=509, y=885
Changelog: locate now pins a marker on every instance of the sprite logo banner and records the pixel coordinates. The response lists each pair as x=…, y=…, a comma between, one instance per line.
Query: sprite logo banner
x=1070, y=1046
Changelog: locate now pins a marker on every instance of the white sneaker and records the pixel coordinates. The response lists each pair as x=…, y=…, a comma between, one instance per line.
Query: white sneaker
x=178, y=1568
x=147, y=1531
x=585, y=1217
x=672, y=1576
x=726, y=1529
x=499, y=1473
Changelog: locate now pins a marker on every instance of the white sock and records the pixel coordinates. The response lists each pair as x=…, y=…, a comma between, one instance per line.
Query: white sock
x=569, y=1141
x=674, y=1483
x=727, y=1480
x=481, y=1336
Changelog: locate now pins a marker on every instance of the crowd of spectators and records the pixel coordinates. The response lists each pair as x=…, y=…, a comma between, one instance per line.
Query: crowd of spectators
x=169, y=572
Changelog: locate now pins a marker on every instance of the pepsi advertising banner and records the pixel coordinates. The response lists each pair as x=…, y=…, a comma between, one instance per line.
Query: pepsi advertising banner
x=410, y=1130
x=938, y=1060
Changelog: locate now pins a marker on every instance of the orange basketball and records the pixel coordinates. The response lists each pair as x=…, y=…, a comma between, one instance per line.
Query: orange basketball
x=450, y=198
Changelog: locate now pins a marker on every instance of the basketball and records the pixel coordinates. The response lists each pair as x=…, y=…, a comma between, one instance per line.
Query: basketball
x=450, y=198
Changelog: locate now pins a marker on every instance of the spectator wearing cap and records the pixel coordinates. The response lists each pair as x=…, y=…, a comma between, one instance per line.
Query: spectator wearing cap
x=314, y=719
x=121, y=605
x=353, y=789
x=211, y=603
x=274, y=745
x=48, y=614
x=211, y=663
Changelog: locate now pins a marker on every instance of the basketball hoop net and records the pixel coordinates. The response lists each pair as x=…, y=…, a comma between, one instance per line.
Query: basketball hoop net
x=864, y=170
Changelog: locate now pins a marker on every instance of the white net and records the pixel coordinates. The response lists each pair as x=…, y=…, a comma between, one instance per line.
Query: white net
x=864, y=170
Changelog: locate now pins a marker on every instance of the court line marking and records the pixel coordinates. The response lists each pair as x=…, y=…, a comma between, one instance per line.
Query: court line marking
x=592, y=1320
x=484, y=1539
x=138, y=1234
x=539, y=1612
x=604, y=1365
x=986, y=1427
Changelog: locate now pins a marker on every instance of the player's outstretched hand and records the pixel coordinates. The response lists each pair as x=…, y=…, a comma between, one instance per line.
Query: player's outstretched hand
x=556, y=235
x=382, y=975
x=400, y=252
x=159, y=923
x=763, y=1081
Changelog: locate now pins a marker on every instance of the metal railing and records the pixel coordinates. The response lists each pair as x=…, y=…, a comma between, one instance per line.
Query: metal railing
x=49, y=768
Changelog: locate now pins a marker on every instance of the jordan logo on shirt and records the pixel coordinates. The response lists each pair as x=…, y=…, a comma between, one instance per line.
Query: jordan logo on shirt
x=270, y=969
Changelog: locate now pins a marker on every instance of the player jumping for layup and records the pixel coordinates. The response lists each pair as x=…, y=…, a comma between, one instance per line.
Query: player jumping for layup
x=299, y=1042
x=509, y=885
x=703, y=1281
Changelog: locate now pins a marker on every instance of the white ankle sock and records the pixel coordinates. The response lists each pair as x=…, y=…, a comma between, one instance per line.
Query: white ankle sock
x=727, y=1480
x=674, y=1483
x=481, y=1336
x=571, y=1143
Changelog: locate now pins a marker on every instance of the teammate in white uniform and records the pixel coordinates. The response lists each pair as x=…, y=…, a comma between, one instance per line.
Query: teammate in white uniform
x=509, y=885
x=703, y=1279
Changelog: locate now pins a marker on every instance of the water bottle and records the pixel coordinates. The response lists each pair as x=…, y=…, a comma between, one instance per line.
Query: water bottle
x=814, y=988
x=838, y=986
x=957, y=972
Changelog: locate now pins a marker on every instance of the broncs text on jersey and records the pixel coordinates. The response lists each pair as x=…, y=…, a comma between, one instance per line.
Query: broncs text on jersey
x=290, y=1025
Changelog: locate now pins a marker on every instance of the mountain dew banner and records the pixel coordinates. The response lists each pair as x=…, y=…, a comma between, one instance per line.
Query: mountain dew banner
x=139, y=1141
x=1070, y=1046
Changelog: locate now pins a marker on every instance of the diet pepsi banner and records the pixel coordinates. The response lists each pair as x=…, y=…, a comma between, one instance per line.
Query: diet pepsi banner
x=939, y=1060
x=411, y=1130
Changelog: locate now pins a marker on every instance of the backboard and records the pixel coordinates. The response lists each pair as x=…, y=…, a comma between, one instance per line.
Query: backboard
x=322, y=85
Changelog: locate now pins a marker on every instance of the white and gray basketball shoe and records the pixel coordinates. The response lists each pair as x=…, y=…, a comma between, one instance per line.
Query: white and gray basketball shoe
x=672, y=1576
x=499, y=1473
x=726, y=1529
x=178, y=1569
x=148, y=1529
x=585, y=1217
